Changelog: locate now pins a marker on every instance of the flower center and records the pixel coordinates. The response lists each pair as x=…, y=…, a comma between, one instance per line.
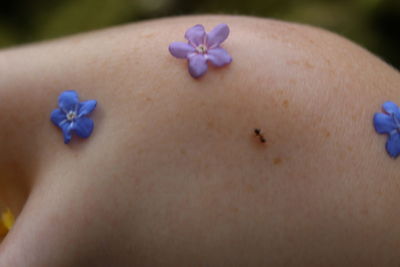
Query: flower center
x=71, y=115
x=202, y=49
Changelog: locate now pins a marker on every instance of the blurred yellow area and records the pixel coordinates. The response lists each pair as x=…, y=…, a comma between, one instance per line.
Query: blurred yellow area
x=7, y=221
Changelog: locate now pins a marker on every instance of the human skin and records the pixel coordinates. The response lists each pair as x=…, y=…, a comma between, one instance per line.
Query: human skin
x=173, y=174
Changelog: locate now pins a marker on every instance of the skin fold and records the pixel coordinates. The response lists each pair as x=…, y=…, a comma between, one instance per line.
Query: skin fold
x=174, y=175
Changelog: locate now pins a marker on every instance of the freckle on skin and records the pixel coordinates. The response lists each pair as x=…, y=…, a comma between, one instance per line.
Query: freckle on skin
x=277, y=161
x=250, y=188
x=285, y=103
x=327, y=61
x=148, y=35
x=365, y=212
x=308, y=65
x=140, y=151
x=183, y=152
x=305, y=64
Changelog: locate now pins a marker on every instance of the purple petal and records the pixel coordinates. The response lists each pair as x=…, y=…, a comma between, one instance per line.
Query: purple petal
x=390, y=107
x=180, y=49
x=57, y=117
x=68, y=100
x=86, y=107
x=197, y=65
x=196, y=35
x=217, y=35
x=83, y=127
x=219, y=57
x=393, y=145
x=384, y=123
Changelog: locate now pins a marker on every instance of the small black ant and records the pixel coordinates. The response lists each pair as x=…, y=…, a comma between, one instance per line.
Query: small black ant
x=260, y=135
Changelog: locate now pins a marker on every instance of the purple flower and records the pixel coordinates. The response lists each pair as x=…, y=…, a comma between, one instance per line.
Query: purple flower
x=202, y=47
x=71, y=115
x=388, y=123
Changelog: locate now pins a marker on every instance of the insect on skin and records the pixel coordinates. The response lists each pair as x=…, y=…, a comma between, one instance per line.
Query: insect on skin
x=260, y=135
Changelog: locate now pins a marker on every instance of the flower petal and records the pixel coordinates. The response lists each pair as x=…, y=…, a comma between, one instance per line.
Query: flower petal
x=196, y=35
x=219, y=57
x=68, y=100
x=393, y=145
x=197, y=65
x=86, y=107
x=67, y=131
x=180, y=49
x=390, y=107
x=83, y=127
x=384, y=123
x=57, y=117
x=217, y=35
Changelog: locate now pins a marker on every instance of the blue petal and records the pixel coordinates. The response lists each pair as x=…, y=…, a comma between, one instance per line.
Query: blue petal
x=393, y=145
x=384, y=123
x=83, y=127
x=66, y=128
x=67, y=134
x=57, y=117
x=86, y=107
x=197, y=65
x=390, y=107
x=68, y=100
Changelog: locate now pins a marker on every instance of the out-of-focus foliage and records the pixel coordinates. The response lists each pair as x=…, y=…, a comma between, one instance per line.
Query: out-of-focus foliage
x=375, y=24
x=6, y=222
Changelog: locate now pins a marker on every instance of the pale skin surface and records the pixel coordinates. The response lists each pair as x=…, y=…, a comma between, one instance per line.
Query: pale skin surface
x=173, y=174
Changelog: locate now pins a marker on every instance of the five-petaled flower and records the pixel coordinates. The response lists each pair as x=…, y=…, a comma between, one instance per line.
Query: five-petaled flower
x=388, y=123
x=71, y=115
x=202, y=47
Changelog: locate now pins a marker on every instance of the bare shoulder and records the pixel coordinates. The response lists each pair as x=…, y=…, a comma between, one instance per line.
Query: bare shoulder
x=173, y=159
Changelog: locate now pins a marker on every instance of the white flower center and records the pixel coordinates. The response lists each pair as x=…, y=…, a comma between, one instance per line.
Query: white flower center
x=202, y=49
x=71, y=115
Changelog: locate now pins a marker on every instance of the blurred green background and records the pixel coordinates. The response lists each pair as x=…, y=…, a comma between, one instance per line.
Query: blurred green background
x=374, y=24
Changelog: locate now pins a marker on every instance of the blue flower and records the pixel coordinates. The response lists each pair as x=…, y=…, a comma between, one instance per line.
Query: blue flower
x=389, y=123
x=71, y=115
